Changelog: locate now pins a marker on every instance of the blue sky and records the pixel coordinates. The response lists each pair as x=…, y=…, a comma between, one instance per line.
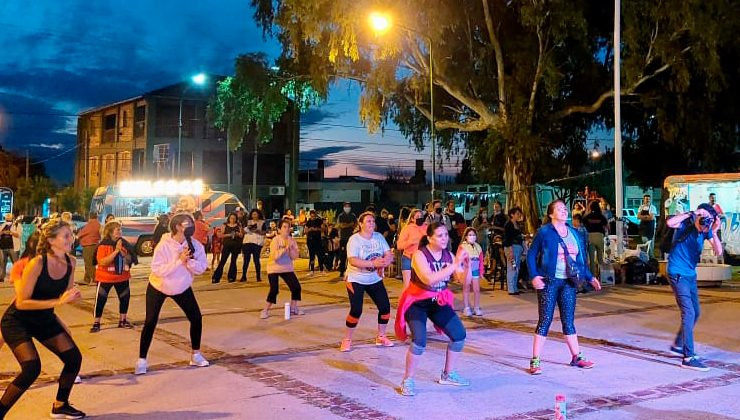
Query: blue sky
x=59, y=58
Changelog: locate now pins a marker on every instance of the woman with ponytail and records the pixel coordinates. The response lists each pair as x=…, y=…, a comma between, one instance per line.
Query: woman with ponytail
x=177, y=258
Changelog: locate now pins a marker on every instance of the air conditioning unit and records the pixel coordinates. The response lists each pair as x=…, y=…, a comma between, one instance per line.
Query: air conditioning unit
x=277, y=190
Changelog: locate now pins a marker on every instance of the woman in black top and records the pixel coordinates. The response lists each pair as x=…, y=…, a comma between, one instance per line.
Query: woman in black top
x=47, y=282
x=231, y=234
x=513, y=248
x=597, y=226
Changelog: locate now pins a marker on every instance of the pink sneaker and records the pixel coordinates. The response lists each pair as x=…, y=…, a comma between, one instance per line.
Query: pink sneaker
x=346, y=345
x=580, y=361
x=383, y=341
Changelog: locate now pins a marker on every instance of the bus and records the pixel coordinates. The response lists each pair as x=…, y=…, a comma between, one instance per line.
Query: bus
x=686, y=192
x=138, y=205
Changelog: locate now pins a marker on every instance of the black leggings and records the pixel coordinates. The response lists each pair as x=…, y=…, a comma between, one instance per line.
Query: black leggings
x=315, y=250
x=154, y=301
x=290, y=279
x=251, y=251
x=560, y=292
x=377, y=293
x=233, y=249
x=124, y=296
x=66, y=350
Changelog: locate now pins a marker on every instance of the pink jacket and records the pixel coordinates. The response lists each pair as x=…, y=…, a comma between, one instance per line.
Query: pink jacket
x=414, y=293
x=409, y=238
x=170, y=275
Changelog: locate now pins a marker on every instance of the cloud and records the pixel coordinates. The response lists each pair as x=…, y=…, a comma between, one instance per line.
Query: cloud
x=55, y=146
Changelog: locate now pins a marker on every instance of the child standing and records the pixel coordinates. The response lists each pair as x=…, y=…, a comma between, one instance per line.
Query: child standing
x=474, y=273
x=216, y=245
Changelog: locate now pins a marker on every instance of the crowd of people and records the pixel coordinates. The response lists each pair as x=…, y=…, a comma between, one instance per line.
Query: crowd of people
x=435, y=245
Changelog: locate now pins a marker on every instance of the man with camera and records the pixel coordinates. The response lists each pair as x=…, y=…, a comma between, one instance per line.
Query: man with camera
x=692, y=229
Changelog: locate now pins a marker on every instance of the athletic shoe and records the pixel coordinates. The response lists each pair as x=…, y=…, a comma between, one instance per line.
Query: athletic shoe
x=694, y=363
x=141, y=366
x=478, y=311
x=346, y=345
x=197, y=359
x=467, y=311
x=383, y=341
x=66, y=411
x=125, y=324
x=95, y=327
x=407, y=388
x=580, y=361
x=452, y=378
x=78, y=380
x=264, y=314
x=243, y=280
x=534, y=366
x=297, y=311
x=676, y=350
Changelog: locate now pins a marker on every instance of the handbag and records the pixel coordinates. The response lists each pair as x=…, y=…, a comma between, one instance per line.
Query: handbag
x=573, y=271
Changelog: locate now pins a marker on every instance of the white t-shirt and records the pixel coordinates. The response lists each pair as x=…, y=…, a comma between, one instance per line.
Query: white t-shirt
x=368, y=250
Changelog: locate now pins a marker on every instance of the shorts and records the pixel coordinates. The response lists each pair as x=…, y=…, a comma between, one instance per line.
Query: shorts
x=405, y=263
x=19, y=326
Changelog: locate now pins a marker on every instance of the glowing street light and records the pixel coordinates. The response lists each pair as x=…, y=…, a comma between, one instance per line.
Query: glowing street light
x=198, y=80
x=381, y=23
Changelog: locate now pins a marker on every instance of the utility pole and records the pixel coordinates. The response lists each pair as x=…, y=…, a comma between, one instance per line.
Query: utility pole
x=28, y=164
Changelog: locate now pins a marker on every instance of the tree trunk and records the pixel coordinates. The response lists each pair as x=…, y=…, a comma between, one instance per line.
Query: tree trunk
x=521, y=192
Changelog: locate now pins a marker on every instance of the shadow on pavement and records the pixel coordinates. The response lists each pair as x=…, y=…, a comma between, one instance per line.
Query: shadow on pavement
x=166, y=415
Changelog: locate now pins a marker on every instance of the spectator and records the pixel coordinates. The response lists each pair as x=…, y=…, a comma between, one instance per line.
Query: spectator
x=201, y=229
x=408, y=242
x=7, y=246
x=89, y=237
x=647, y=215
x=276, y=214
x=498, y=220
x=597, y=226
x=513, y=248
x=482, y=226
x=457, y=225
x=254, y=240
x=161, y=228
x=231, y=235
x=346, y=222
x=382, y=222
x=313, y=241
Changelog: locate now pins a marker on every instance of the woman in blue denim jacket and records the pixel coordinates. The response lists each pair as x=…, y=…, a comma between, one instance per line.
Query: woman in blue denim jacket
x=550, y=271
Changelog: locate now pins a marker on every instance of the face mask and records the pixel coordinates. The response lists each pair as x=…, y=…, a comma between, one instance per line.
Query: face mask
x=438, y=211
x=419, y=221
x=189, y=231
x=347, y=209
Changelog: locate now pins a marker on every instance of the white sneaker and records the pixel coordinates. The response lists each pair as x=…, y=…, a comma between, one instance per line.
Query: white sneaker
x=467, y=312
x=141, y=366
x=197, y=359
x=264, y=314
x=78, y=380
x=478, y=311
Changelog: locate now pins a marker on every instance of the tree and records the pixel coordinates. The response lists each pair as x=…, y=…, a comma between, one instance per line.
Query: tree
x=31, y=194
x=69, y=199
x=518, y=83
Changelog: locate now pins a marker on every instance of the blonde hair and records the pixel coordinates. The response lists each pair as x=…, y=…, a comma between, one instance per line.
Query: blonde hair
x=412, y=216
x=67, y=217
x=50, y=230
x=109, y=228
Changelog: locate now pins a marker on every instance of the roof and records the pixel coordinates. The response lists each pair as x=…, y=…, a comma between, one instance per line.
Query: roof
x=730, y=176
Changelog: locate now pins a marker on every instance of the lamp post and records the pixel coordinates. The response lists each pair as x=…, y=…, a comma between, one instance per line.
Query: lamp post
x=381, y=23
x=199, y=79
x=619, y=192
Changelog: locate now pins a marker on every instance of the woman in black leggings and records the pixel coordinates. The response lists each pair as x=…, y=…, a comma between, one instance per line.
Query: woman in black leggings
x=176, y=260
x=47, y=282
x=554, y=258
x=231, y=234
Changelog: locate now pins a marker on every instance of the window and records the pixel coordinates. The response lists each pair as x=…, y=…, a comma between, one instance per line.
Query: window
x=125, y=119
x=161, y=157
x=124, y=165
x=109, y=168
x=109, y=122
x=139, y=121
x=94, y=166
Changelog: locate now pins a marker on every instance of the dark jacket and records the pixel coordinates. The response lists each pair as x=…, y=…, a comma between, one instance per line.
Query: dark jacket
x=543, y=254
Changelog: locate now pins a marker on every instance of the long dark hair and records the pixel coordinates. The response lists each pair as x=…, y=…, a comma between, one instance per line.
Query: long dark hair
x=595, y=207
x=31, y=244
x=177, y=220
x=424, y=241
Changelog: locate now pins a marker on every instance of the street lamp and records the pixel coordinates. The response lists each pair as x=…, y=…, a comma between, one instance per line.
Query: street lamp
x=381, y=23
x=198, y=80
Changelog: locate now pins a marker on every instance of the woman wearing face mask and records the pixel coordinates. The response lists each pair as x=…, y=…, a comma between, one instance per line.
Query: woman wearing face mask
x=474, y=273
x=408, y=242
x=176, y=260
x=553, y=257
x=428, y=297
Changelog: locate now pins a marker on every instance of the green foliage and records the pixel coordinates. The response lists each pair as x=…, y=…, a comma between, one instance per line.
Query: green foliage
x=69, y=199
x=254, y=99
x=31, y=194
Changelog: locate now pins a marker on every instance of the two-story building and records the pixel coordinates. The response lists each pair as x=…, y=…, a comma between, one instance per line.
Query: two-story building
x=140, y=138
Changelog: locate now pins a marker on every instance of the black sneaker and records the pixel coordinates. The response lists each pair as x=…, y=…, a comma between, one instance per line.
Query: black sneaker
x=95, y=327
x=66, y=411
x=125, y=324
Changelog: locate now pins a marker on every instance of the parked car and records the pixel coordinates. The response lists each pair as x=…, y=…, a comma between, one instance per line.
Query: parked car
x=631, y=216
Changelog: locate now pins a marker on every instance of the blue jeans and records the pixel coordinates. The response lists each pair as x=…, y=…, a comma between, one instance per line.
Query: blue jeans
x=687, y=298
x=512, y=270
x=443, y=317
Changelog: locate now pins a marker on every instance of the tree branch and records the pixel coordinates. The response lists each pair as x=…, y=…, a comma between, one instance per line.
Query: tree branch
x=467, y=125
x=499, y=61
x=537, y=73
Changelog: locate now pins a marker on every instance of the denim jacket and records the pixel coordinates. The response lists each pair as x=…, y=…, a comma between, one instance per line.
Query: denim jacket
x=543, y=254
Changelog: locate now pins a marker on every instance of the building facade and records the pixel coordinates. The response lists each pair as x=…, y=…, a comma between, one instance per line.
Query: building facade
x=138, y=138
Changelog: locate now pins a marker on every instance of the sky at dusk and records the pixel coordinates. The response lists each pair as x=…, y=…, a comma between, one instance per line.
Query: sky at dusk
x=59, y=58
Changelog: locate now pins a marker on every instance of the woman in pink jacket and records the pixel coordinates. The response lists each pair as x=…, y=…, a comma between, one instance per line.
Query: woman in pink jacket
x=408, y=242
x=177, y=258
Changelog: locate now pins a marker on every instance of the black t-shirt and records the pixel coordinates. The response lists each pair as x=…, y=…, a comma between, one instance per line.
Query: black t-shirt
x=595, y=223
x=6, y=239
x=345, y=233
x=381, y=225
x=314, y=223
x=512, y=234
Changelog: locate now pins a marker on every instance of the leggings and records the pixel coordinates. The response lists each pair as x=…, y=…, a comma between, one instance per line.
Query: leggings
x=563, y=293
x=63, y=346
x=290, y=279
x=443, y=317
x=377, y=293
x=233, y=249
x=124, y=296
x=315, y=250
x=154, y=301
x=251, y=251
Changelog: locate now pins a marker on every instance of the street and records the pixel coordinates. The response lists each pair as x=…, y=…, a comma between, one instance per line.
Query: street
x=292, y=369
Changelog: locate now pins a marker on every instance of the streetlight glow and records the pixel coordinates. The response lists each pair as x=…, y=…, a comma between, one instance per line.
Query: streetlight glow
x=199, y=79
x=380, y=22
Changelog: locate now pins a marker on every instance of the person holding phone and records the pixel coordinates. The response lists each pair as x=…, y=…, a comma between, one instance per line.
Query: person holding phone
x=47, y=282
x=231, y=236
x=177, y=259
x=254, y=239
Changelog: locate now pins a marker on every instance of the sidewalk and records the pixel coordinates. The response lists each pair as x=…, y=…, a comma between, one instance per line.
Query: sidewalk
x=275, y=368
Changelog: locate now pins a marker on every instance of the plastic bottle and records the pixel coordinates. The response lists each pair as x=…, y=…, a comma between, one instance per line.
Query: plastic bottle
x=287, y=310
x=560, y=410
